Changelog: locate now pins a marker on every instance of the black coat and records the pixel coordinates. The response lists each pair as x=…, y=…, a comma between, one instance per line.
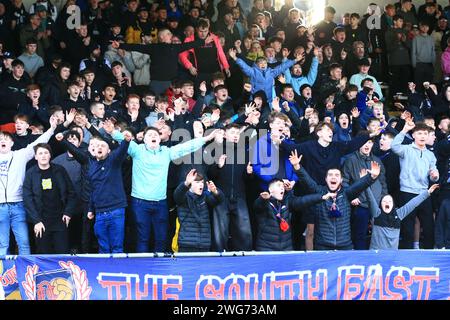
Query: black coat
x=270, y=237
x=32, y=196
x=194, y=217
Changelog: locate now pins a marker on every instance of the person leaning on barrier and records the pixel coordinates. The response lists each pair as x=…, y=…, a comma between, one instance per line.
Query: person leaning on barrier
x=194, y=203
x=275, y=210
x=332, y=218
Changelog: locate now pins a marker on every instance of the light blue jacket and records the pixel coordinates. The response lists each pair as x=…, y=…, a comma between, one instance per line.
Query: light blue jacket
x=151, y=167
x=357, y=78
x=415, y=165
x=263, y=79
x=299, y=81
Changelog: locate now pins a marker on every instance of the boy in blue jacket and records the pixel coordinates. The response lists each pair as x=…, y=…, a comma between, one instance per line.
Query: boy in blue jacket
x=261, y=76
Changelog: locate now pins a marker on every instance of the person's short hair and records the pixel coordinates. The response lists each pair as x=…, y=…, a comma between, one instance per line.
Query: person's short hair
x=390, y=135
x=330, y=9
x=389, y=6
x=355, y=15
x=72, y=83
x=6, y=134
x=148, y=93
x=274, y=180
x=43, y=146
x=133, y=96
x=424, y=23
x=357, y=43
x=335, y=66
x=54, y=108
x=161, y=99
x=397, y=17
x=260, y=59
x=32, y=87
x=81, y=111
x=373, y=120
x=275, y=39
x=365, y=80
x=187, y=83
x=21, y=117
x=351, y=87
x=277, y=115
x=293, y=10
x=220, y=87
x=94, y=105
x=72, y=133
x=420, y=126
x=338, y=30
x=444, y=117
x=219, y=76
x=147, y=129
x=31, y=40
x=232, y=126
x=87, y=71
x=323, y=124
x=334, y=168
x=405, y=1
x=109, y=85
x=17, y=62
x=286, y=86
x=203, y=23
x=199, y=177
x=116, y=63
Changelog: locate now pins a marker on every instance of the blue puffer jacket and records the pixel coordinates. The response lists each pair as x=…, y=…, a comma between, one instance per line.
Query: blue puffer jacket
x=263, y=79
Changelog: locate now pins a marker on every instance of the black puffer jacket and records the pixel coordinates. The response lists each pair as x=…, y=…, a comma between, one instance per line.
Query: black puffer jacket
x=270, y=237
x=330, y=231
x=193, y=215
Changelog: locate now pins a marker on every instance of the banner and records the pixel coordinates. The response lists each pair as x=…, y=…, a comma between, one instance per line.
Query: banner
x=341, y=275
x=9, y=286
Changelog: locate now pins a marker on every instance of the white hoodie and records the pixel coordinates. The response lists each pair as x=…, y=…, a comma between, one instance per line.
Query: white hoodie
x=13, y=167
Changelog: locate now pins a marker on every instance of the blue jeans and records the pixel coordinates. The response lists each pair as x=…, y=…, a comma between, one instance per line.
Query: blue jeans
x=12, y=215
x=150, y=215
x=360, y=225
x=109, y=229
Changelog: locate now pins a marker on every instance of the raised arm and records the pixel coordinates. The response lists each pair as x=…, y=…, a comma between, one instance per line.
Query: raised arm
x=182, y=149
x=356, y=188
x=119, y=137
x=374, y=208
x=305, y=201
x=80, y=155
x=415, y=202
x=143, y=48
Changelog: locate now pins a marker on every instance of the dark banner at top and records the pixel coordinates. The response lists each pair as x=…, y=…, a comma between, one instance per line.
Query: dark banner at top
x=344, y=275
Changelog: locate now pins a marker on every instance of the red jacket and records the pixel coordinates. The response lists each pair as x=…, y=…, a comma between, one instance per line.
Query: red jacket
x=221, y=57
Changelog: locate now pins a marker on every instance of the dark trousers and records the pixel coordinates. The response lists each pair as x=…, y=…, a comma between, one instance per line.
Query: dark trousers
x=150, y=216
x=231, y=219
x=88, y=239
x=425, y=214
x=401, y=75
x=424, y=72
x=360, y=223
x=53, y=242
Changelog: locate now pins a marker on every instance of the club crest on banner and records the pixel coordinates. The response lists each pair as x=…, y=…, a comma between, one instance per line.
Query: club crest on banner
x=67, y=283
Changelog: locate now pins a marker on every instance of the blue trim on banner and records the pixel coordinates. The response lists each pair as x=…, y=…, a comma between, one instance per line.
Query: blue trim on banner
x=338, y=275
